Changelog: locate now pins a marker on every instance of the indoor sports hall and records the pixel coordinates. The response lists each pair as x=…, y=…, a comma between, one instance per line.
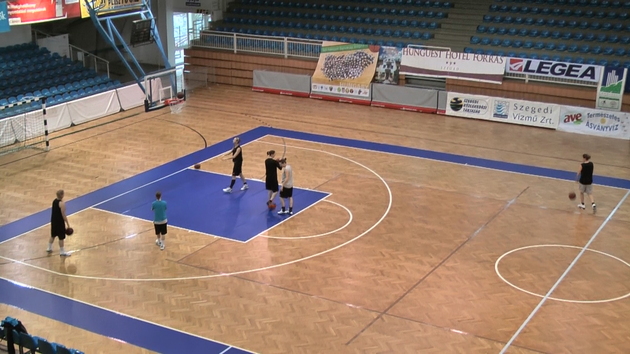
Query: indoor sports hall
x=436, y=148
x=412, y=233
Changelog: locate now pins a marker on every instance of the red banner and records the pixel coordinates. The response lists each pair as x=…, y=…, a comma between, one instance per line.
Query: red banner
x=33, y=11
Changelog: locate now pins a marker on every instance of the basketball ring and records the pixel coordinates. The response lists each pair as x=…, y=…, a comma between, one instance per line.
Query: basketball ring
x=176, y=104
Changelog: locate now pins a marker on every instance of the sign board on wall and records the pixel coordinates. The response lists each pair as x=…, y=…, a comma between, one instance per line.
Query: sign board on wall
x=554, y=69
x=4, y=17
x=109, y=6
x=594, y=122
x=536, y=114
x=34, y=11
x=196, y=6
x=611, y=88
x=465, y=66
x=345, y=69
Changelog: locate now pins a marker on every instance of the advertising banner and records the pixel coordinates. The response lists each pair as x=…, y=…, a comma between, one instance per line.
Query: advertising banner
x=594, y=122
x=554, y=69
x=388, y=67
x=34, y=11
x=535, y=114
x=610, y=89
x=465, y=66
x=345, y=69
x=109, y=6
x=4, y=17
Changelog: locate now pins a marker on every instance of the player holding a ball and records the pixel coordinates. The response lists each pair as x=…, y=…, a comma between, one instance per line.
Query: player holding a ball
x=58, y=224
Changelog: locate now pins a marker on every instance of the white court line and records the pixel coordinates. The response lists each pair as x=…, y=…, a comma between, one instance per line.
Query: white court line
x=443, y=161
x=129, y=191
x=318, y=235
x=118, y=313
x=169, y=225
x=553, y=288
x=289, y=218
x=378, y=222
x=496, y=269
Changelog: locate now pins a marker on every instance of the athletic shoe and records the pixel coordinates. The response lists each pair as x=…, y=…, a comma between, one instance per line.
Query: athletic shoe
x=65, y=254
x=161, y=246
x=290, y=212
x=594, y=207
x=227, y=190
x=48, y=251
x=581, y=206
x=157, y=242
x=282, y=212
x=244, y=187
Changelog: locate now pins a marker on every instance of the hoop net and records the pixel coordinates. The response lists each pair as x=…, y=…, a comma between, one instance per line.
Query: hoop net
x=176, y=104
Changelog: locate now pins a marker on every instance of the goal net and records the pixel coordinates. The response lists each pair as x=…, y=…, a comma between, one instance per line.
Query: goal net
x=23, y=125
x=164, y=88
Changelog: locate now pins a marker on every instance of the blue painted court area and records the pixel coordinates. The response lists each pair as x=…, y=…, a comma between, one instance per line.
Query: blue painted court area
x=107, y=323
x=196, y=201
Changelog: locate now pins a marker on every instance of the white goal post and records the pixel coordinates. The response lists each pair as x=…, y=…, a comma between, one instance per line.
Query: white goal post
x=23, y=125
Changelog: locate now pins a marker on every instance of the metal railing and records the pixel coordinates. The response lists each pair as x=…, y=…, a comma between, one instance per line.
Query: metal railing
x=89, y=60
x=246, y=43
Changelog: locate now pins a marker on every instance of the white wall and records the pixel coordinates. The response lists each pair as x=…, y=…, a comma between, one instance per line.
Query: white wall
x=18, y=34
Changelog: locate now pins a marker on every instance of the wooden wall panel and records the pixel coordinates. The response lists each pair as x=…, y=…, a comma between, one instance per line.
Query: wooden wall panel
x=237, y=69
x=533, y=91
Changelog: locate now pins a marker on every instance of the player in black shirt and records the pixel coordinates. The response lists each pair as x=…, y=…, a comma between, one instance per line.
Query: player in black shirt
x=585, y=180
x=58, y=224
x=272, y=165
x=237, y=170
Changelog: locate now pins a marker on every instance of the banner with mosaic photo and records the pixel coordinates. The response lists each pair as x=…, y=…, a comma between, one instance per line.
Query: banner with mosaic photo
x=345, y=69
x=388, y=67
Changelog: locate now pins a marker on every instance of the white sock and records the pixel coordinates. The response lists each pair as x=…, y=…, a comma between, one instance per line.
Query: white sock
x=50, y=246
x=62, y=250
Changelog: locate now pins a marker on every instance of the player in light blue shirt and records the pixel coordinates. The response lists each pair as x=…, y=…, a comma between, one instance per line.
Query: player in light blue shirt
x=159, y=219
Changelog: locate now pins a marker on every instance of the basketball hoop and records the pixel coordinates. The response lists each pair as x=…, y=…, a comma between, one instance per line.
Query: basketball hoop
x=176, y=104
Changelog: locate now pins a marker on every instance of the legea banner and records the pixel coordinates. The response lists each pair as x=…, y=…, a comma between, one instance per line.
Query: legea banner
x=535, y=114
x=594, y=122
x=465, y=66
x=554, y=69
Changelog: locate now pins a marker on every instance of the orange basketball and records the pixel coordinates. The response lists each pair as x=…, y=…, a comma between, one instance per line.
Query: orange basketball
x=69, y=231
x=572, y=196
x=271, y=206
x=197, y=166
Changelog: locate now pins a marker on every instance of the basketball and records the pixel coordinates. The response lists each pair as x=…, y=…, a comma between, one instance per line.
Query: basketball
x=197, y=166
x=69, y=231
x=272, y=206
x=571, y=195
x=180, y=95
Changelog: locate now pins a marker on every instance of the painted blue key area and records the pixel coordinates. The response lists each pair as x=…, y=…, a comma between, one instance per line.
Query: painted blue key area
x=107, y=323
x=196, y=201
x=202, y=189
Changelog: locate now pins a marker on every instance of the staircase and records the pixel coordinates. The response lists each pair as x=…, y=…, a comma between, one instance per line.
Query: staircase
x=461, y=24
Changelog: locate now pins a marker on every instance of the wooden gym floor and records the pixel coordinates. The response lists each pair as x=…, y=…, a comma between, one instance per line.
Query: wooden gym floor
x=408, y=255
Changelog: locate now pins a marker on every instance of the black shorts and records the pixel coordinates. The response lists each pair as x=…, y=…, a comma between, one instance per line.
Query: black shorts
x=237, y=169
x=160, y=229
x=58, y=231
x=286, y=192
x=271, y=186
